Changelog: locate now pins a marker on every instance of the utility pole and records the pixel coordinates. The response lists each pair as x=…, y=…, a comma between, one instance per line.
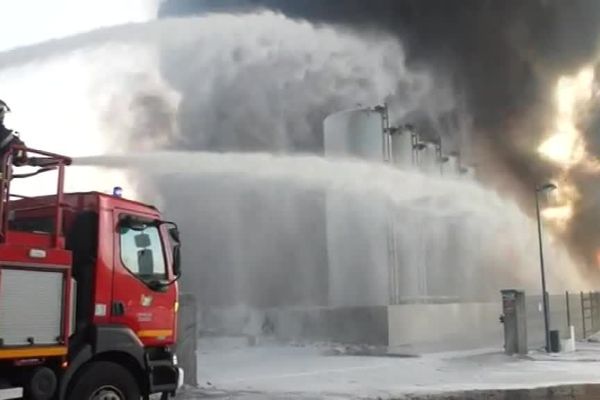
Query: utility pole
x=543, y=189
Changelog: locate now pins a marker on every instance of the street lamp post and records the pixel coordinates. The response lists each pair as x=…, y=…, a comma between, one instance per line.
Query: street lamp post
x=543, y=189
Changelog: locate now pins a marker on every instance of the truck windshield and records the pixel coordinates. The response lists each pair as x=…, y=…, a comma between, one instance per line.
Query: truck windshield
x=142, y=253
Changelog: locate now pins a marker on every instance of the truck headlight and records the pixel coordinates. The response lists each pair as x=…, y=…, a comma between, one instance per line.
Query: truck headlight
x=175, y=361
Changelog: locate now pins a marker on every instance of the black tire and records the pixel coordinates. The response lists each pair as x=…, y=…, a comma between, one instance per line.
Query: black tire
x=104, y=378
x=41, y=384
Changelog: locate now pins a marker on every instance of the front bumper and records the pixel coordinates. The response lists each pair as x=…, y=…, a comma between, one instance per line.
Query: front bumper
x=180, y=378
x=164, y=373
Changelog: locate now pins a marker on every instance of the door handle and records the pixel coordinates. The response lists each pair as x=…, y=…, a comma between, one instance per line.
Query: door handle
x=118, y=308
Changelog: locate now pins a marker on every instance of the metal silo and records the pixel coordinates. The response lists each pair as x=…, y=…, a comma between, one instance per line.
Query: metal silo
x=355, y=133
x=402, y=148
x=380, y=254
x=357, y=228
x=467, y=172
x=450, y=167
x=428, y=158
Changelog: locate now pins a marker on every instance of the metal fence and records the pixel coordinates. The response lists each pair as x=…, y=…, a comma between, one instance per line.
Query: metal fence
x=590, y=312
x=578, y=309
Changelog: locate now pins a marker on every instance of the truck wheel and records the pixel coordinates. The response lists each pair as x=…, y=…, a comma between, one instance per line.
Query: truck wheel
x=41, y=384
x=103, y=380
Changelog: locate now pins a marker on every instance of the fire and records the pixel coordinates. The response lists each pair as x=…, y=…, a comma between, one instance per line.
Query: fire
x=562, y=203
x=566, y=146
x=559, y=215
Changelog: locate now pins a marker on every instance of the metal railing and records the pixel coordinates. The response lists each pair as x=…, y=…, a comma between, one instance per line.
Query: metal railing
x=590, y=312
x=46, y=161
x=581, y=310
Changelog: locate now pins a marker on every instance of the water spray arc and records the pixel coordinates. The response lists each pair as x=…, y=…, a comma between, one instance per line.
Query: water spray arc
x=258, y=218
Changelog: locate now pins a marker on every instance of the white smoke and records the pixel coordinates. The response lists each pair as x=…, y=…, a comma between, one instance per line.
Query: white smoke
x=255, y=232
x=258, y=80
x=473, y=242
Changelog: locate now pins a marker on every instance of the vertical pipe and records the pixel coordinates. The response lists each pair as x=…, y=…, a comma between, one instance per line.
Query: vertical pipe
x=582, y=314
x=543, y=272
x=67, y=306
x=59, y=201
x=412, y=149
x=591, y=312
x=391, y=229
x=596, y=308
x=595, y=312
x=392, y=260
x=568, y=310
x=6, y=178
x=385, y=128
x=438, y=151
x=3, y=199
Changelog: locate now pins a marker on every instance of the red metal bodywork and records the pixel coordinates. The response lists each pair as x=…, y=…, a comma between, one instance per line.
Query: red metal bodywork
x=154, y=323
x=18, y=249
x=150, y=314
x=122, y=316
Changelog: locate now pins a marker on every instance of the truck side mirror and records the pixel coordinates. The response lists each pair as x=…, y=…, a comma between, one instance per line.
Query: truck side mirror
x=177, y=261
x=174, y=232
x=176, y=243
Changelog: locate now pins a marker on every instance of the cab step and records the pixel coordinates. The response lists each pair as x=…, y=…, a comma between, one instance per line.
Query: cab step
x=10, y=394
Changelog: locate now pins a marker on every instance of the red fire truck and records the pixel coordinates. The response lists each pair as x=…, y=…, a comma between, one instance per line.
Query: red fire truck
x=88, y=293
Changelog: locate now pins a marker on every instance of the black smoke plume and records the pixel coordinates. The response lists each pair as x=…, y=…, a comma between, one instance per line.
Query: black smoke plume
x=503, y=57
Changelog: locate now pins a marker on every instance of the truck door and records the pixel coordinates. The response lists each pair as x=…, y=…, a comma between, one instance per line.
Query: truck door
x=141, y=299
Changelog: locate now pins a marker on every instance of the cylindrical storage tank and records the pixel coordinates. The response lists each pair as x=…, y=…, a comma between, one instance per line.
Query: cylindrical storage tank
x=354, y=133
x=357, y=226
x=450, y=166
x=467, y=172
x=402, y=152
x=428, y=161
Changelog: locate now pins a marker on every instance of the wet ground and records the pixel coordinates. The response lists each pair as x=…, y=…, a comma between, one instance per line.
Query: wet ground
x=236, y=370
x=566, y=392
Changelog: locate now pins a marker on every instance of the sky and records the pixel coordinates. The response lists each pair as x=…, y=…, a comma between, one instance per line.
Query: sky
x=51, y=100
x=27, y=22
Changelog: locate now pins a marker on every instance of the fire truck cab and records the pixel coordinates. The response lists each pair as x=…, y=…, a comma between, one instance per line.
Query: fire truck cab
x=88, y=293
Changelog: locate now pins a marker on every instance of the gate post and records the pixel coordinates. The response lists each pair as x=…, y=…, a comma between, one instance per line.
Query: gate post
x=187, y=338
x=514, y=318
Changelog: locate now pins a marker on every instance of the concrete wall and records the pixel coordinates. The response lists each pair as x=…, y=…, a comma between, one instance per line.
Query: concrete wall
x=321, y=324
x=444, y=326
x=470, y=325
x=358, y=325
x=403, y=327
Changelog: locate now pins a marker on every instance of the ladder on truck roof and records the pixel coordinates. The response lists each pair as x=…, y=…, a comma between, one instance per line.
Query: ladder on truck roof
x=44, y=161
